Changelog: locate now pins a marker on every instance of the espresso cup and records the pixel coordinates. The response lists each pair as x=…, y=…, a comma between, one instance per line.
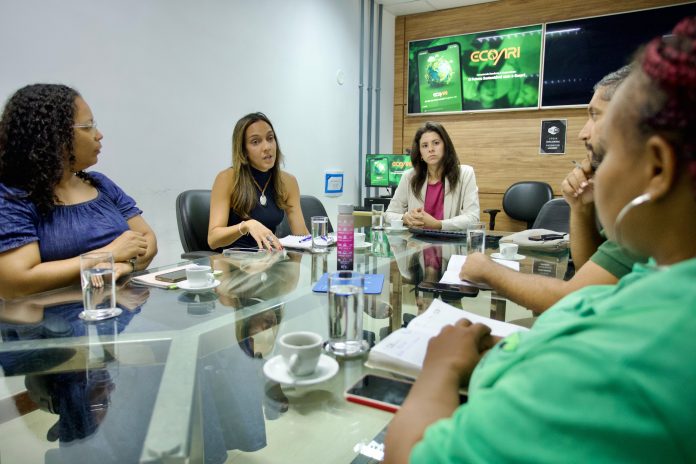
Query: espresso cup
x=199, y=276
x=397, y=223
x=508, y=250
x=301, y=352
x=359, y=238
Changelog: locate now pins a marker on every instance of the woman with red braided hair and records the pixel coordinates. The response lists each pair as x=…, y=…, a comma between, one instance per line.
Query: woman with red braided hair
x=605, y=375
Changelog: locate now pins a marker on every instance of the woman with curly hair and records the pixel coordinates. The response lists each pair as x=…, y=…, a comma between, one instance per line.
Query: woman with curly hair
x=250, y=198
x=438, y=193
x=605, y=374
x=51, y=210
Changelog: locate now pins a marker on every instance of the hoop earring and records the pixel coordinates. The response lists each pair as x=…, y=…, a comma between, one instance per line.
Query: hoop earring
x=639, y=200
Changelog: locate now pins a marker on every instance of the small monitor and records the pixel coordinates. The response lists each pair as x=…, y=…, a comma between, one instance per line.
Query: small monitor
x=385, y=170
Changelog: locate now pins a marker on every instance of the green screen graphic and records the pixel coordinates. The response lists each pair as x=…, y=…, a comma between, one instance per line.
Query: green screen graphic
x=385, y=170
x=440, y=78
x=499, y=70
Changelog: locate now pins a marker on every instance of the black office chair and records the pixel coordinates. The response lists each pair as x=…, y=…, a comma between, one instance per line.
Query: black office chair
x=554, y=215
x=311, y=206
x=522, y=201
x=192, y=215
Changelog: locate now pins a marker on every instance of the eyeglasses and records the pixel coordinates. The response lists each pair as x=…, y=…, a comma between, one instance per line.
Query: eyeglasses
x=91, y=125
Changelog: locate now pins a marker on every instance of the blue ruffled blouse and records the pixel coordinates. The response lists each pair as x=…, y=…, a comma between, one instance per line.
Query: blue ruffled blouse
x=68, y=230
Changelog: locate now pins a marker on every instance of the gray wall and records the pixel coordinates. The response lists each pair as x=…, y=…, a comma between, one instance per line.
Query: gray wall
x=167, y=79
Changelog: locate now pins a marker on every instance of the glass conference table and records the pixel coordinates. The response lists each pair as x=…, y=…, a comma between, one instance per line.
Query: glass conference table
x=178, y=376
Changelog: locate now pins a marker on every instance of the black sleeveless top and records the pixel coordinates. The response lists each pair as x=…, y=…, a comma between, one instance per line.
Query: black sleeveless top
x=270, y=215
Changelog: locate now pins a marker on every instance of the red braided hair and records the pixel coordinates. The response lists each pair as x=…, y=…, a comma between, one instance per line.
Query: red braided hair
x=670, y=64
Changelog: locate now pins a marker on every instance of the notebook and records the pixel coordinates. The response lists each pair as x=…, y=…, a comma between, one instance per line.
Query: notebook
x=372, y=285
x=304, y=242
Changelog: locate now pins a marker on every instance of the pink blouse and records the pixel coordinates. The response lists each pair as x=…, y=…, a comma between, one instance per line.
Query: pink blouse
x=435, y=200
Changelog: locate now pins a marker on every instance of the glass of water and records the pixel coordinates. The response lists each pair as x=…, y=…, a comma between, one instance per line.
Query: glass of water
x=377, y=216
x=98, y=286
x=476, y=238
x=320, y=230
x=346, y=304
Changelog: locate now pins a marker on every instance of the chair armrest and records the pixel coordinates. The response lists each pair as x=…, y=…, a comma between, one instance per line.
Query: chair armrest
x=492, y=212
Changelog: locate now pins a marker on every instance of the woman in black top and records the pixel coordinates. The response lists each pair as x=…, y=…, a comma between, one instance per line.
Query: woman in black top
x=249, y=199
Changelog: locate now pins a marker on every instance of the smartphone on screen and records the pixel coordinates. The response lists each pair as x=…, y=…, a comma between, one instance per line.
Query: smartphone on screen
x=440, y=78
x=172, y=277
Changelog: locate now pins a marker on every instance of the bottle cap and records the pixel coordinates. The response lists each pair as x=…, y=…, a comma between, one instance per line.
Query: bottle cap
x=345, y=209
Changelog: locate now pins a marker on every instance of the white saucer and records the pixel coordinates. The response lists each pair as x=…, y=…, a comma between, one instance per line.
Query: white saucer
x=362, y=245
x=517, y=257
x=396, y=229
x=184, y=285
x=101, y=314
x=276, y=370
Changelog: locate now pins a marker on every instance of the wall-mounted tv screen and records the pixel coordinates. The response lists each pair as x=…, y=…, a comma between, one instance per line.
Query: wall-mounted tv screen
x=385, y=170
x=482, y=71
x=578, y=53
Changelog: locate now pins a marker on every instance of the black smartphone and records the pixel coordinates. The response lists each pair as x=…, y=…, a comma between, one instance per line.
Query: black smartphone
x=448, y=290
x=379, y=392
x=172, y=277
x=545, y=237
x=382, y=393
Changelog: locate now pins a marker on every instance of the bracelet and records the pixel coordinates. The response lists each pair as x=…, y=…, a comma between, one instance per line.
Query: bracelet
x=132, y=263
x=240, y=229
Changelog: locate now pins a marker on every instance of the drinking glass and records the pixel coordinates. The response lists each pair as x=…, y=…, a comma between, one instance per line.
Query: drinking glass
x=377, y=216
x=346, y=303
x=98, y=286
x=476, y=237
x=320, y=230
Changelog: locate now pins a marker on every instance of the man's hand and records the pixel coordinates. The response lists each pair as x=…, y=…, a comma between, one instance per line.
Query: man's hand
x=577, y=187
x=476, y=268
x=458, y=349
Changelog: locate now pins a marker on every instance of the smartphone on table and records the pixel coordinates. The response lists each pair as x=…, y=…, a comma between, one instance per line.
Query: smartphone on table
x=448, y=290
x=172, y=277
x=382, y=393
x=379, y=392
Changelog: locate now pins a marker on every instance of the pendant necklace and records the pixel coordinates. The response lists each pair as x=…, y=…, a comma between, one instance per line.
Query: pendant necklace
x=262, y=198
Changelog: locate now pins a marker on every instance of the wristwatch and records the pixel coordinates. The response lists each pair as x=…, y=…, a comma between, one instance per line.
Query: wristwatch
x=132, y=263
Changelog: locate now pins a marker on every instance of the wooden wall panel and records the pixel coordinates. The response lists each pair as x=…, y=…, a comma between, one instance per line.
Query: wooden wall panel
x=503, y=147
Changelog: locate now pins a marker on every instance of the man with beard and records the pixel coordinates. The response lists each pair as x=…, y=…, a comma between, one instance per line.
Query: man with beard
x=598, y=261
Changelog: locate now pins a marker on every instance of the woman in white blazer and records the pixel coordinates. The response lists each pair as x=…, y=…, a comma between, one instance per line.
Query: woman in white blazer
x=438, y=193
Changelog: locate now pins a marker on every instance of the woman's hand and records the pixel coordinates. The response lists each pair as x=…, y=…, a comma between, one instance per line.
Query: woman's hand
x=414, y=218
x=264, y=237
x=458, y=349
x=129, y=244
x=430, y=222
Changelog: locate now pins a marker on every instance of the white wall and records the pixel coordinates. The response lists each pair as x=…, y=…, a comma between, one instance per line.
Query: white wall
x=167, y=80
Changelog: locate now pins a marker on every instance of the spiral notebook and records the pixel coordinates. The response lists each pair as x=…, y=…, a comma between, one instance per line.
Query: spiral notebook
x=372, y=285
x=304, y=242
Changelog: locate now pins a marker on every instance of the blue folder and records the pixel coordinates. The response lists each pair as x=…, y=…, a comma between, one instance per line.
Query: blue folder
x=373, y=284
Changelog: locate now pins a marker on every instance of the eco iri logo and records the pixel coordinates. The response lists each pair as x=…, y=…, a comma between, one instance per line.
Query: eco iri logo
x=495, y=55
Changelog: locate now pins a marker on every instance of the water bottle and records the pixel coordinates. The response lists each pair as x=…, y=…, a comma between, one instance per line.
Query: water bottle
x=344, y=244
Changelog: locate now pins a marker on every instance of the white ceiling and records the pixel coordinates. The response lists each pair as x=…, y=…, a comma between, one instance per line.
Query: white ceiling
x=407, y=7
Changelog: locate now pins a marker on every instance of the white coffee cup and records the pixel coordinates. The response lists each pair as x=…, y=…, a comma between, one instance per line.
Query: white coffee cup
x=397, y=223
x=301, y=352
x=508, y=250
x=199, y=276
x=359, y=238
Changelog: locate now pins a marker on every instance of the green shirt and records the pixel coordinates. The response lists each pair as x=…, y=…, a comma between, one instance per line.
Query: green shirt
x=606, y=375
x=616, y=260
